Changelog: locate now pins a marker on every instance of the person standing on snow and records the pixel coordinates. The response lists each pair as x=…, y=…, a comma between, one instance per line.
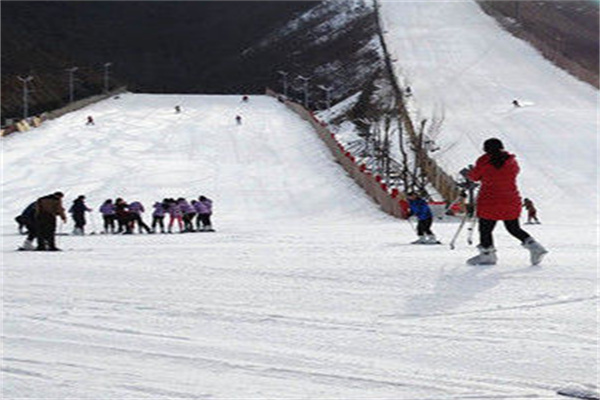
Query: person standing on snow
x=531, y=212
x=420, y=209
x=158, y=216
x=204, y=209
x=499, y=200
x=107, y=209
x=78, y=210
x=27, y=219
x=136, y=209
x=175, y=214
x=47, y=208
x=188, y=213
x=123, y=216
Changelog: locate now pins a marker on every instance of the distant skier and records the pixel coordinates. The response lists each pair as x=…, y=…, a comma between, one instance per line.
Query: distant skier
x=107, y=209
x=27, y=219
x=177, y=109
x=188, y=213
x=204, y=209
x=135, y=212
x=531, y=212
x=47, y=208
x=408, y=91
x=123, y=216
x=245, y=99
x=158, y=215
x=90, y=120
x=238, y=119
x=516, y=103
x=421, y=210
x=78, y=210
x=175, y=214
x=499, y=200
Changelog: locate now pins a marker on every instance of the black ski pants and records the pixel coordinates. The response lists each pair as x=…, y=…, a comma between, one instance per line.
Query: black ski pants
x=486, y=227
x=79, y=220
x=158, y=221
x=203, y=220
x=46, y=228
x=109, y=223
x=187, y=221
x=137, y=218
x=424, y=227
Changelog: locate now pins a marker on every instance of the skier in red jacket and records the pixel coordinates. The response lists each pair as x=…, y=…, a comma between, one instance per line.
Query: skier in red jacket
x=499, y=200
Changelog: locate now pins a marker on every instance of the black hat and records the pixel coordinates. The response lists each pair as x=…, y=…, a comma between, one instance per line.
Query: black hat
x=492, y=145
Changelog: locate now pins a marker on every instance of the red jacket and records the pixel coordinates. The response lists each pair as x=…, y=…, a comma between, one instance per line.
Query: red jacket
x=499, y=198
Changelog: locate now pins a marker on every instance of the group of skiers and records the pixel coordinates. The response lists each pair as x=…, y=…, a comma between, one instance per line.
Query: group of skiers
x=498, y=200
x=121, y=217
x=39, y=218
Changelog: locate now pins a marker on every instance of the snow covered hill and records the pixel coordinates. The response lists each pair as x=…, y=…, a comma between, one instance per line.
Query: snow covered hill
x=462, y=66
x=306, y=290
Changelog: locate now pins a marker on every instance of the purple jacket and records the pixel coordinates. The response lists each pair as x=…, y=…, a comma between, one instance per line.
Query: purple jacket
x=174, y=210
x=186, y=208
x=136, y=207
x=107, y=209
x=204, y=206
x=159, y=210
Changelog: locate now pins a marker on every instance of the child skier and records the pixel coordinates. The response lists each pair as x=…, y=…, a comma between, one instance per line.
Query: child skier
x=123, y=216
x=27, y=218
x=204, y=208
x=531, y=212
x=136, y=209
x=158, y=215
x=107, y=209
x=188, y=212
x=78, y=210
x=421, y=210
x=174, y=215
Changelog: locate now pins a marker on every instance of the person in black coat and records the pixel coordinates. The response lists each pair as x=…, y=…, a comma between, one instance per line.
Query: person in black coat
x=78, y=210
x=27, y=220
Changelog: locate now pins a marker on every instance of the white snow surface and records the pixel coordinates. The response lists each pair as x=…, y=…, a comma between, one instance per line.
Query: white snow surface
x=461, y=65
x=306, y=290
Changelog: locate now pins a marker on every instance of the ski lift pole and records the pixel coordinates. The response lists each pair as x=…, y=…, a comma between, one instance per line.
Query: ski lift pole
x=93, y=232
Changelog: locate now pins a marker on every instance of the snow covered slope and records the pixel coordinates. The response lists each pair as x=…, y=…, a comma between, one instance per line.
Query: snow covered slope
x=305, y=291
x=460, y=64
x=140, y=149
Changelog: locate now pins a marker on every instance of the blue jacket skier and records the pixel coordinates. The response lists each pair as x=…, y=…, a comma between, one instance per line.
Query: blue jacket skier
x=420, y=209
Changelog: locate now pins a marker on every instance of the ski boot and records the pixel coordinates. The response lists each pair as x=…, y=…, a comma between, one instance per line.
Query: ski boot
x=420, y=240
x=536, y=250
x=27, y=245
x=486, y=256
x=431, y=239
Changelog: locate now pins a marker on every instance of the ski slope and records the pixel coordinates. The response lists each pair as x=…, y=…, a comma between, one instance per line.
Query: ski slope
x=306, y=290
x=465, y=70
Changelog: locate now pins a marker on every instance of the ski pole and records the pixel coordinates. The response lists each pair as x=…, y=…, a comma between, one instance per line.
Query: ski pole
x=93, y=232
x=460, y=227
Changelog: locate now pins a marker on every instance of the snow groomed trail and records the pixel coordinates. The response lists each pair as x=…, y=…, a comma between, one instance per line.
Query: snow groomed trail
x=305, y=291
x=464, y=69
